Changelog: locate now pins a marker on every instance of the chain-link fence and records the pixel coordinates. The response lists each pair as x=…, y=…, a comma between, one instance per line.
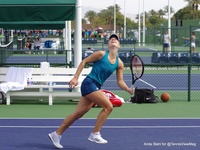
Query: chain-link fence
x=180, y=81
x=175, y=72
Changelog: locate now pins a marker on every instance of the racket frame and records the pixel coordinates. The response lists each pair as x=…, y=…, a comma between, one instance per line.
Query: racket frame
x=134, y=77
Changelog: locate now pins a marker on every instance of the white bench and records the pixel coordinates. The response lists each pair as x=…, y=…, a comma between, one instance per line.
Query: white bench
x=42, y=79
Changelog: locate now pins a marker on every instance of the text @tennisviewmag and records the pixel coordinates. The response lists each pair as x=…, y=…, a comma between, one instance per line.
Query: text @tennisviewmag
x=171, y=144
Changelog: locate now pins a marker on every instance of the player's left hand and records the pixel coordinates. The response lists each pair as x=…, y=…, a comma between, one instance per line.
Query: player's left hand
x=131, y=90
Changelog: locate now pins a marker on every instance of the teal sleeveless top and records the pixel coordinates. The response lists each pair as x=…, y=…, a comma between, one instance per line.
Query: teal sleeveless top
x=102, y=69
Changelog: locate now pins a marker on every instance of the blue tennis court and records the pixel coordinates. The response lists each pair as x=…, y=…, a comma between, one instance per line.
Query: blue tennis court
x=126, y=134
x=160, y=81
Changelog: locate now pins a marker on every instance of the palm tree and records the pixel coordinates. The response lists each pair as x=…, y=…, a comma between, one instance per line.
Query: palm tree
x=166, y=9
x=84, y=21
x=194, y=4
x=184, y=13
x=118, y=8
x=161, y=13
x=90, y=15
x=106, y=15
x=153, y=13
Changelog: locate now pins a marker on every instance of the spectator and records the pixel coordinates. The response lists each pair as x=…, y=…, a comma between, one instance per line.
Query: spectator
x=28, y=43
x=136, y=35
x=36, y=45
x=167, y=41
x=192, y=40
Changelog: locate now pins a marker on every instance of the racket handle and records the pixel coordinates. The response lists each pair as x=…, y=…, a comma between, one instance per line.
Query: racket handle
x=132, y=86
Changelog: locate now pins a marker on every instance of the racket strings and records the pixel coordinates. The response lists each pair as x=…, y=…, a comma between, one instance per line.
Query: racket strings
x=137, y=69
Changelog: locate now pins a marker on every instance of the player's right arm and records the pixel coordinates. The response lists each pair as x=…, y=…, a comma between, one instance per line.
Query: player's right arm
x=93, y=57
x=186, y=38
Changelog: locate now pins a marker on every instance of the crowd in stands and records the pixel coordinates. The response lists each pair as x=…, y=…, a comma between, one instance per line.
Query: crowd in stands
x=40, y=33
x=98, y=33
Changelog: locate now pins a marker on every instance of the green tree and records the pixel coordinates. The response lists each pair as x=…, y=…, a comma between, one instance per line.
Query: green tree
x=98, y=21
x=166, y=9
x=106, y=17
x=84, y=21
x=193, y=6
x=90, y=15
x=155, y=20
x=152, y=12
x=184, y=13
x=161, y=13
x=108, y=14
x=118, y=8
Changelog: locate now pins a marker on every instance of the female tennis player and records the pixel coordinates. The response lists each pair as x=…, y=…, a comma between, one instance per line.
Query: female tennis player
x=104, y=64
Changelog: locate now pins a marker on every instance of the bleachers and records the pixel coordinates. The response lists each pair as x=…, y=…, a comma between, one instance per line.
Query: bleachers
x=195, y=58
x=86, y=54
x=175, y=57
x=124, y=56
x=123, y=41
x=184, y=58
x=87, y=41
x=154, y=58
x=163, y=57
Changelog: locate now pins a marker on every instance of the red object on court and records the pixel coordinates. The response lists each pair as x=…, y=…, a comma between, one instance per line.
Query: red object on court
x=165, y=97
x=113, y=99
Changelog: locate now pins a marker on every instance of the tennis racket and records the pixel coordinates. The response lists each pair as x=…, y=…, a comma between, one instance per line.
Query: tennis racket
x=137, y=68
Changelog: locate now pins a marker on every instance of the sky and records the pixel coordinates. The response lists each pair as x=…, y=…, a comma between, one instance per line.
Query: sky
x=132, y=6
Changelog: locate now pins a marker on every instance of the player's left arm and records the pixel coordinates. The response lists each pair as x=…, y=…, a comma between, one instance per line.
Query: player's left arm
x=120, y=80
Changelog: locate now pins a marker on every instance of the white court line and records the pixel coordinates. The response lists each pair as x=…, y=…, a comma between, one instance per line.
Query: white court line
x=108, y=127
x=184, y=118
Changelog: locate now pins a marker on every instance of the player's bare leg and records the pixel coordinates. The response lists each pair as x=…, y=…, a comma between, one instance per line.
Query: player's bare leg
x=100, y=99
x=83, y=106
